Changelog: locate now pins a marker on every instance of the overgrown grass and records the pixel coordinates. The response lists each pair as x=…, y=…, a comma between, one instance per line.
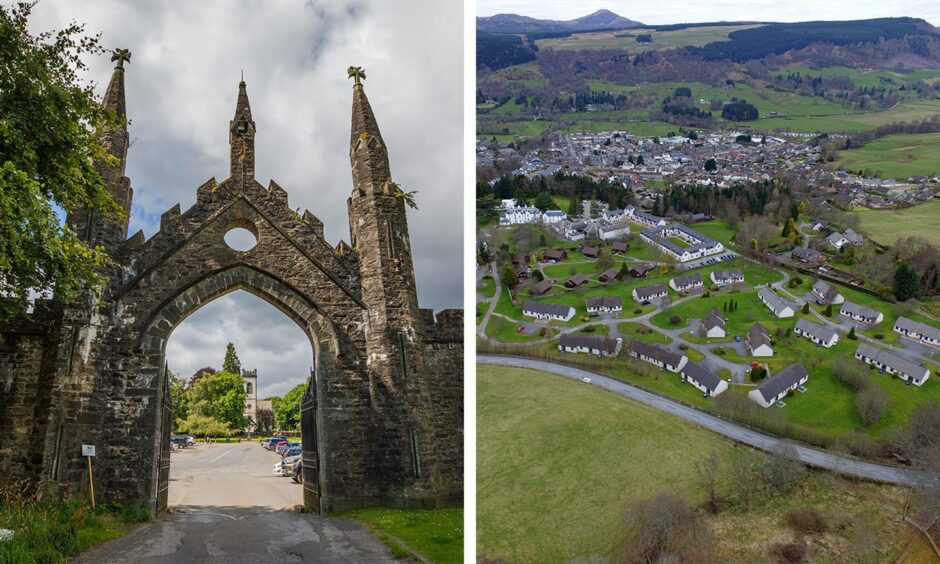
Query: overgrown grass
x=436, y=534
x=52, y=530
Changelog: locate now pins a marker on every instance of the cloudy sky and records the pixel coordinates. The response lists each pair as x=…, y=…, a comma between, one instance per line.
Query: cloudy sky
x=181, y=87
x=685, y=11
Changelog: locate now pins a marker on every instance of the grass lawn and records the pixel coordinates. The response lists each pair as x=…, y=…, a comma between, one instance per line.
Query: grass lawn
x=597, y=329
x=895, y=156
x=505, y=331
x=749, y=311
x=555, y=455
x=887, y=226
x=717, y=229
x=436, y=533
x=487, y=287
x=559, y=462
x=643, y=333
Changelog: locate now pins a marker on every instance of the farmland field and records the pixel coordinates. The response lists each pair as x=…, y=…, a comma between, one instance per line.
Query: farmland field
x=695, y=36
x=895, y=156
x=887, y=226
x=557, y=455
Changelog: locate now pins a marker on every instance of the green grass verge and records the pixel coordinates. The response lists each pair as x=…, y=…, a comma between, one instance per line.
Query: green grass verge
x=436, y=534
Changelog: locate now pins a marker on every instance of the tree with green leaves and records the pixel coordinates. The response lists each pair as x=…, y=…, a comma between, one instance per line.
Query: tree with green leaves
x=711, y=165
x=287, y=410
x=205, y=426
x=906, y=283
x=179, y=398
x=574, y=206
x=851, y=334
x=51, y=150
x=544, y=201
x=507, y=276
x=231, y=362
x=220, y=396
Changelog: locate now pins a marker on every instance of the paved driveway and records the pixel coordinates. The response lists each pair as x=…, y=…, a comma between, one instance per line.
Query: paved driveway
x=230, y=508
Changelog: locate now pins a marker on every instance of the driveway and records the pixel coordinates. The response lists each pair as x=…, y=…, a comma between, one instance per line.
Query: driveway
x=228, y=507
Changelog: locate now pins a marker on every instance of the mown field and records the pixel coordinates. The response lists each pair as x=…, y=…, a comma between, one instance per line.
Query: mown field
x=691, y=36
x=559, y=463
x=895, y=156
x=887, y=226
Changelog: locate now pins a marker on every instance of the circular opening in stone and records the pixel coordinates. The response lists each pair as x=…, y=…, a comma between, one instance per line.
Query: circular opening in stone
x=240, y=239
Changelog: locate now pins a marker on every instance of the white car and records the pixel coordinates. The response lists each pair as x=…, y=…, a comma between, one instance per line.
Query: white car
x=279, y=469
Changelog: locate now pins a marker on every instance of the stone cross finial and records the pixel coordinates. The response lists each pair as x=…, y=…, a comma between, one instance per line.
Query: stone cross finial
x=121, y=56
x=356, y=73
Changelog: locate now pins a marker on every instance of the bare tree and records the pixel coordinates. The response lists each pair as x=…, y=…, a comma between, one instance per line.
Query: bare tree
x=872, y=404
x=707, y=471
x=664, y=529
x=783, y=469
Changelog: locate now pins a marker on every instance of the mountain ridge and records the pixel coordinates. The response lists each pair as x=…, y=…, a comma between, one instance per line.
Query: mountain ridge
x=515, y=23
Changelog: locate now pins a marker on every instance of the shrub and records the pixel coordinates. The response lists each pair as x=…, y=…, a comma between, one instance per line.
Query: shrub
x=675, y=319
x=806, y=520
x=851, y=334
x=806, y=307
x=683, y=346
x=543, y=332
x=872, y=404
x=638, y=311
x=589, y=329
x=789, y=553
x=880, y=336
x=851, y=374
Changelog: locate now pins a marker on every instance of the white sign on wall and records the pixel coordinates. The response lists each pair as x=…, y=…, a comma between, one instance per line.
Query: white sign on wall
x=88, y=450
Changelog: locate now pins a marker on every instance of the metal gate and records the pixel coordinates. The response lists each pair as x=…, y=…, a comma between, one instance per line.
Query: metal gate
x=311, y=457
x=166, y=427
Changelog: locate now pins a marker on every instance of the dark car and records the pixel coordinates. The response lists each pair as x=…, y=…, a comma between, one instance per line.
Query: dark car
x=272, y=442
x=297, y=472
x=292, y=451
x=179, y=440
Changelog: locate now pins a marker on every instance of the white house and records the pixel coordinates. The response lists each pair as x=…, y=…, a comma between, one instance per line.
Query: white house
x=698, y=245
x=816, y=332
x=543, y=310
x=590, y=344
x=779, y=385
x=861, y=313
x=709, y=383
x=518, y=215
x=656, y=356
x=613, y=231
x=927, y=334
x=853, y=238
x=726, y=277
x=604, y=304
x=837, y=240
x=553, y=216
x=714, y=324
x=779, y=306
x=826, y=294
x=758, y=341
x=905, y=369
x=647, y=293
x=686, y=282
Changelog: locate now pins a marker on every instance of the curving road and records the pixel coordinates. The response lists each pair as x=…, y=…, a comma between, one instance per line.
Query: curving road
x=809, y=455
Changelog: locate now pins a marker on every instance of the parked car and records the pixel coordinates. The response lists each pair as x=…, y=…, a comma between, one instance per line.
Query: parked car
x=281, y=447
x=278, y=445
x=292, y=451
x=287, y=465
x=190, y=440
x=179, y=440
x=297, y=472
x=272, y=442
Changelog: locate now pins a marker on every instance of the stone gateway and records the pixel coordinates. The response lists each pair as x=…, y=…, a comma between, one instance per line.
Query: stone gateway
x=383, y=414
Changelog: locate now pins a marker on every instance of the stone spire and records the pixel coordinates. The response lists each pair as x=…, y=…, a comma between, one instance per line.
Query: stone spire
x=367, y=152
x=242, y=137
x=92, y=227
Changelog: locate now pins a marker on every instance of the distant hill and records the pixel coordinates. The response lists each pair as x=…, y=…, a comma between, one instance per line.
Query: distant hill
x=514, y=23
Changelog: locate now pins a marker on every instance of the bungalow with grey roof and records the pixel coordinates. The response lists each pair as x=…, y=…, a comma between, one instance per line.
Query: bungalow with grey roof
x=861, y=313
x=886, y=360
x=826, y=293
x=665, y=360
x=714, y=324
x=709, y=383
x=726, y=277
x=779, y=306
x=543, y=310
x=647, y=293
x=604, y=304
x=837, y=240
x=758, y=341
x=816, y=332
x=779, y=385
x=686, y=282
x=591, y=344
x=553, y=216
x=804, y=254
x=608, y=232
x=927, y=334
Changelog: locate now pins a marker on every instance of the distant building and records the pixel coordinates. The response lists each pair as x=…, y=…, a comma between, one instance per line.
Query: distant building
x=927, y=334
x=604, y=304
x=816, y=332
x=553, y=216
x=686, y=282
x=779, y=385
x=807, y=255
x=543, y=310
x=250, y=381
x=726, y=277
x=905, y=369
x=779, y=306
x=709, y=383
x=758, y=341
x=861, y=313
x=554, y=255
x=665, y=360
x=714, y=324
x=590, y=344
x=826, y=293
x=698, y=245
x=647, y=293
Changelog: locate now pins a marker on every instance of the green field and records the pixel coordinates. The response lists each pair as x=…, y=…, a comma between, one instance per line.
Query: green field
x=887, y=226
x=694, y=36
x=558, y=463
x=555, y=455
x=487, y=287
x=895, y=156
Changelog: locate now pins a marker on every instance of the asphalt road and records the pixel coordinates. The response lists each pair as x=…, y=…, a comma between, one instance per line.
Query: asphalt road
x=229, y=507
x=807, y=454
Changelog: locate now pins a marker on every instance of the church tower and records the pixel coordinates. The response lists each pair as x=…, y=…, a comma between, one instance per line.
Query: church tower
x=241, y=138
x=91, y=226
